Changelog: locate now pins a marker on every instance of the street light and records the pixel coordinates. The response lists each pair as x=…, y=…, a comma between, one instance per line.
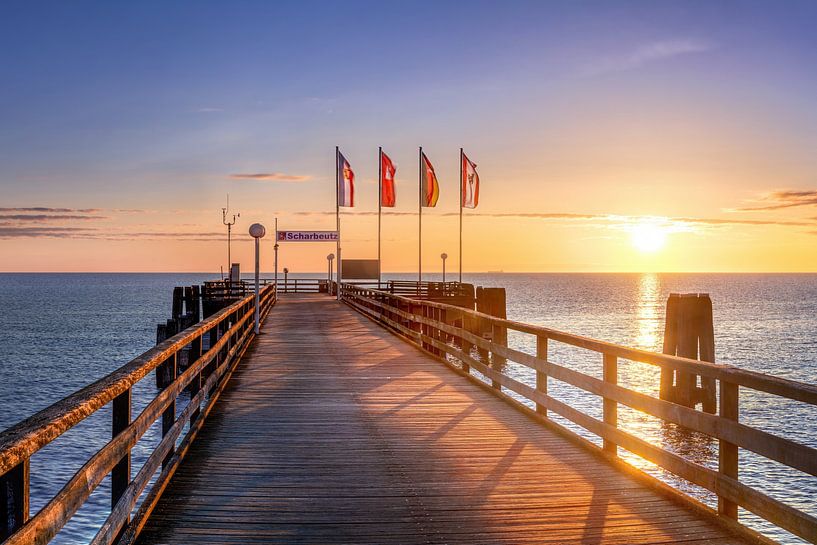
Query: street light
x=257, y=231
x=286, y=282
x=329, y=258
x=444, y=256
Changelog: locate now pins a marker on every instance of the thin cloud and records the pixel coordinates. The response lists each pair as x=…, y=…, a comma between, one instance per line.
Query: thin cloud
x=10, y=230
x=53, y=210
x=650, y=53
x=39, y=218
x=270, y=177
x=777, y=200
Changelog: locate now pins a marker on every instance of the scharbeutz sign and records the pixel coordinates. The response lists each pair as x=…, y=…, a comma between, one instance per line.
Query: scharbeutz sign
x=307, y=236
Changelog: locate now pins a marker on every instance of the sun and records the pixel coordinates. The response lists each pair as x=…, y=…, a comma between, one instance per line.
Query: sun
x=648, y=237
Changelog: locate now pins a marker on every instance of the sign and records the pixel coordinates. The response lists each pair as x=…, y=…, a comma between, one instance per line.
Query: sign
x=360, y=269
x=307, y=236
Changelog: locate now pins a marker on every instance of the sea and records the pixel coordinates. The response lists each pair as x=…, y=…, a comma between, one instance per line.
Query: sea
x=61, y=332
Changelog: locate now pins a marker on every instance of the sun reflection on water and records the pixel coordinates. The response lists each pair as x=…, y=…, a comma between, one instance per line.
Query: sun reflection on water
x=648, y=305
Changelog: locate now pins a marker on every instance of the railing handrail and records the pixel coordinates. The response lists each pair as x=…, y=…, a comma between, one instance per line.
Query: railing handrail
x=780, y=386
x=25, y=438
x=430, y=325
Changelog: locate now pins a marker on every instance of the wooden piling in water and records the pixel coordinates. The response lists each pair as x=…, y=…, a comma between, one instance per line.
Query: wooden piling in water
x=689, y=333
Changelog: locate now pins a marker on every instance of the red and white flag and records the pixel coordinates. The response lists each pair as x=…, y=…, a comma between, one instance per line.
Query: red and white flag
x=470, y=183
x=346, y=182
x=387, y=170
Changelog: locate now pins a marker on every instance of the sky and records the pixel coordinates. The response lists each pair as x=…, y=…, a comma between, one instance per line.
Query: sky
x=608, y=136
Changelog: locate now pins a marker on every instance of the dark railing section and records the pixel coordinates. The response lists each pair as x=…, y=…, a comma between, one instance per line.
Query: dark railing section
x=447, y=332
x=226, y=334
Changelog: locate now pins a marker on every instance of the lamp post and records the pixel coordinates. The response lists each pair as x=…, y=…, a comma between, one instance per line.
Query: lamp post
x=257, y=231
x=276, y=253
x=286, y=282
x=329, y=258
x=444, y=256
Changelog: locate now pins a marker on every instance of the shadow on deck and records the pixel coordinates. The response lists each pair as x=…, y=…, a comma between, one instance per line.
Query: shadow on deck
x=333, y=430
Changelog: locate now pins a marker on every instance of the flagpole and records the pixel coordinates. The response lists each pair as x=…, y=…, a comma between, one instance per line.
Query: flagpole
x=337, y=215
x=461, y=195
x=379, y=211
x=420, y=222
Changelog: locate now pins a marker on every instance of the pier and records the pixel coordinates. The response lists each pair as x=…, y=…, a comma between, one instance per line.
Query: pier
x=391, y=416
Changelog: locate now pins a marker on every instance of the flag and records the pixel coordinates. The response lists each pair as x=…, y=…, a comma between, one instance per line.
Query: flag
x=346, y=182
x=470, y=183
x=387, y=170
x=428, y=181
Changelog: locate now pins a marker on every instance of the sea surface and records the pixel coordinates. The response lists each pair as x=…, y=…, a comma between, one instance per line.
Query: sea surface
x=64, y=331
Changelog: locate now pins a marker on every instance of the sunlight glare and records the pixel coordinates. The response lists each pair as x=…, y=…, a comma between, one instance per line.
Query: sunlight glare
x=648, y=237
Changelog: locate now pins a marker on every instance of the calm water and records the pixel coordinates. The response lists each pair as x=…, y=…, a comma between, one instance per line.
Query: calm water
x=64, y=331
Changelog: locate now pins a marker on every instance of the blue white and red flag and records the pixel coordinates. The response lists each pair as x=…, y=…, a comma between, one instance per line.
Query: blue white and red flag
x=346, y=182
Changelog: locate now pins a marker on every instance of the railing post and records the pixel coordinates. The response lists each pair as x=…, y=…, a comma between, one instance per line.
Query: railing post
x=169, y=414
x=120, y=419
x=541, y=376
x=497, y=363
x=464, y=345
x=727, y=452
x=14, y=498
x=610, y=405
x=195, y=384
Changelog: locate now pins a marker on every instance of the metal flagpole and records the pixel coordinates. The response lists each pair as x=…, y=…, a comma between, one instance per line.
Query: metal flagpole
x=337, y=214
x=461, y=196
x=420, y=222
x=379, y=210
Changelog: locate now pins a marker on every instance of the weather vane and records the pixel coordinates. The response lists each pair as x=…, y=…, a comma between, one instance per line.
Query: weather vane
x=225, y=212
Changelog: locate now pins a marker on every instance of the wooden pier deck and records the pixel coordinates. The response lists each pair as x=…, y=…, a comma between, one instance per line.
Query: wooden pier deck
x=334, y=430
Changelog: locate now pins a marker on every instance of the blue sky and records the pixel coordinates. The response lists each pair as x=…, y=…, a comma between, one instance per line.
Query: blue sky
x=154, y=105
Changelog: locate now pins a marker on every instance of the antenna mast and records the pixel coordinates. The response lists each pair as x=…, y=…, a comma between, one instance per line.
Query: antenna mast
x=229, y=223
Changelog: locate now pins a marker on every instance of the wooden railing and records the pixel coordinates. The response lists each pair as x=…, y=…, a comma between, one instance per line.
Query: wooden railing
x=445, y=331
x=227, y=333
x=302, y=285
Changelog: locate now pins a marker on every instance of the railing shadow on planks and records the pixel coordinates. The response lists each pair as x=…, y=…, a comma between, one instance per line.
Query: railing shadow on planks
x=443, y=331
x=228, y=333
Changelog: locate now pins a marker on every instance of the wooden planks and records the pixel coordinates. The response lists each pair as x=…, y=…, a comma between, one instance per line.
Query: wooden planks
x=334, y=431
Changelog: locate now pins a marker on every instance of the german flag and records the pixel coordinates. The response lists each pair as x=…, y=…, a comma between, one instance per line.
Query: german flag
x=428, y=181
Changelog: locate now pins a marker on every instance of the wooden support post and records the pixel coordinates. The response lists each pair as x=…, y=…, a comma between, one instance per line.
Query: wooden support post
x=685, y=382
x=478, y=325
x=670, y=347
x=492, y=302
x=466, y=323
x=169, y=414
x=610, y=406
x=178, y=298
x=437, y=333
x=541, y=376
x=727, y=452
x=708, y=396
x=196, y=303
x=689, y=333
x=120, y=418
x=161, y=335
x=464, y=345
x=14, y=499
x=415, y=310
x=195, y=385
x=427, y=328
